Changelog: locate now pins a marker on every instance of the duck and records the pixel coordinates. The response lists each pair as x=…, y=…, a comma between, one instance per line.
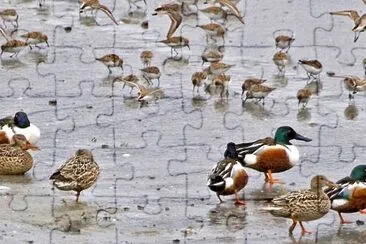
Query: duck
x=303, y=205
x=76, y=174
x=19, y=124
x=228, y=176
x=350, y=196
x=14, y=158
x=271, y=155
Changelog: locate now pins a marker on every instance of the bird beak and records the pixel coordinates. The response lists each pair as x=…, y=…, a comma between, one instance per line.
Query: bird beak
x=302, y=138
x=31, y=147
x=188, y=46
x=330, y=183
x=154, y=14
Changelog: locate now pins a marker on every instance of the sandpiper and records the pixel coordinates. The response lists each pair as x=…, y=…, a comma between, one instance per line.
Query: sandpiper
x=111, y=60
x=312, y=68
x=359, y=21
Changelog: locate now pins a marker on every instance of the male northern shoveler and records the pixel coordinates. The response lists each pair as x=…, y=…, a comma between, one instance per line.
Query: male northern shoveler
x=14, y=158
x=228, y=176
x=20, y=124
x=303, y=205
x=271, y=155
x=77, y=174
x=350, y=196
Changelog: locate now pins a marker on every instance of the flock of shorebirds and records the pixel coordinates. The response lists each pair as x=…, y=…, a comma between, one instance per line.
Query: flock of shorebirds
x=268, y=155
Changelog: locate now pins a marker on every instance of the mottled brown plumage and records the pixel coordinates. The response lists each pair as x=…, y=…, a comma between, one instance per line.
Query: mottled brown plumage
x=77, y=174
x=111, y=60
x=15, y=159
x=197, y=78
x=303, y=205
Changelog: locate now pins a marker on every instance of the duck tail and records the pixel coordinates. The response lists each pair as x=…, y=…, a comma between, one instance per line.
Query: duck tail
x=216, y=183
x=55, y=175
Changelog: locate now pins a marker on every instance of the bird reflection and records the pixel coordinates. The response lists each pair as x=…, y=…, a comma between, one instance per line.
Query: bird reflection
x=304, y=115
x=351, y=111
x=228, y=214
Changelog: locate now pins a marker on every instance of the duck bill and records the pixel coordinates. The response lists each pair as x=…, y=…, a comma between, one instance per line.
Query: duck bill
x=302, y=138
x=330, y=183
x=31, y=147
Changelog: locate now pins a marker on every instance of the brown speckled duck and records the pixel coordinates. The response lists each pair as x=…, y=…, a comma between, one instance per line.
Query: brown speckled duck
x=14, y=158
x=77, y=174
x=303, y=205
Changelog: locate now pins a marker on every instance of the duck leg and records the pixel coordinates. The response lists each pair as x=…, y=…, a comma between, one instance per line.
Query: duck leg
x=77, y=196
x=342, y=219
x=237, y=199
x=303, y=230
x=270, y=179
x=218, y=196
x=292, y=227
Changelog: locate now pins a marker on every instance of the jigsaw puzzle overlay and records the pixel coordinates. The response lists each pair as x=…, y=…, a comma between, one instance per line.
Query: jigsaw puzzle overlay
x=155, y=158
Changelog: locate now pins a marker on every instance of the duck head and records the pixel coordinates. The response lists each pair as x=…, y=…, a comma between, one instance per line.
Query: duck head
x=21, y=120
x=359, y=173
x=285, y=134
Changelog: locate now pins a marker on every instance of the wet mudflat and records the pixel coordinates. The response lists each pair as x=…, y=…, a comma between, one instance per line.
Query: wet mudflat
x=155, y=159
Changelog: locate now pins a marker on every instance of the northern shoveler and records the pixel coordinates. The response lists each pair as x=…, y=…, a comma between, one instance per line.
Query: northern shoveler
x=271, y=155
x=350, y=196
x=20, y=124
x=14, y=158
x=77, y=174
x=228, y=176
x=303, y=205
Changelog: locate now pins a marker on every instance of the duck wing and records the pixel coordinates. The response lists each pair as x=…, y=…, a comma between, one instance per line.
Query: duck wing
x=223, y=170
x=252, y=147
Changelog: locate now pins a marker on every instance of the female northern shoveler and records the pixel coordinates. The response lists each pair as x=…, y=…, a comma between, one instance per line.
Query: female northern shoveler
x=271, y=155
x=350, y=196
x=20, y=124
x=77, y=174
x=14, y=159
x=303, y=205
x=228, y=176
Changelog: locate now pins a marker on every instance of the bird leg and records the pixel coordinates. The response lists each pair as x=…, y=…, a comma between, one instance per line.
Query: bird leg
x=303, y=230
x=237, y=200
x=270, y=178
x=342, y=219
x=218, y=196
x=292, y=227
x=77, y=196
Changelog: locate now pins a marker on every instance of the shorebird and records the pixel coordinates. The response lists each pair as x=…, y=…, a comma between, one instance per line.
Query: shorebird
x=230, y=5
x=284, y=42
x=360, y=21
x=174, y=15
x=95, y=5
x=312, y=68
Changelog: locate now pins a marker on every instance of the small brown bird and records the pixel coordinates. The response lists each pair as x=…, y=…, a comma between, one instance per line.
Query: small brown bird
x=111, y=60
x=222, y=81
x=129, y=80
x=9, y=15
x=352, y=83
x=14, y=158
x=219, y=68
x=176, y=42
x=174, y=15
x=145, y=95
x=212, y=56
x=13, y=46
x=312, y=68
x=258, y=91
x=150, y=73
x=77, y=174
x=249, y=82
x=95, y=5
x=213, y=30
x=280, y=59
x=197, y=79
x=214, y=13
x=359, y=21
x=303, y=95
x=35, y=37
x=231, y=6
x=146, y=57
x=284, y=42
